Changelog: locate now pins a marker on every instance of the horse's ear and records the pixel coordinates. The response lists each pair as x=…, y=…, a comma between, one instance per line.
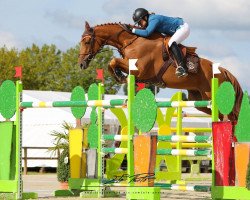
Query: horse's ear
x=87, y=26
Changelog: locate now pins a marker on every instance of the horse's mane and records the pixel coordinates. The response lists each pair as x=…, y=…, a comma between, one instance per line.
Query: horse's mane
x=109, y=24
x=133, y=26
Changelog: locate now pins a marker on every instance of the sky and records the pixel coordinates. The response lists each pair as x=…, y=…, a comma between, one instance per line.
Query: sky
x=220, y=29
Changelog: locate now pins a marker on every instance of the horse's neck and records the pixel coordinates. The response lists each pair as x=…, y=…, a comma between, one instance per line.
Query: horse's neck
x=113, y=35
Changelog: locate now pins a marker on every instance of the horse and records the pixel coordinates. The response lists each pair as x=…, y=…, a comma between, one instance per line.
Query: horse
x=151, y=64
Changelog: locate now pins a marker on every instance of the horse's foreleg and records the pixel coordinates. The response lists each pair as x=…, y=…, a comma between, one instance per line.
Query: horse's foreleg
x=117, y=66
x=115, y=71
x=111, y=67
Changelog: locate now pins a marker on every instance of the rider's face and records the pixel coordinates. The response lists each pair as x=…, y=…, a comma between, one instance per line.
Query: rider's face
x=143, y=23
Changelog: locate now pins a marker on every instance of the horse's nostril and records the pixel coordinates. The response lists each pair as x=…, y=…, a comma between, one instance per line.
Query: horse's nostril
x=84, y=65
x=81, y=66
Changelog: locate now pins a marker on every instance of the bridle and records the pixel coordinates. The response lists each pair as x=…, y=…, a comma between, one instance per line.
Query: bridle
x=90, y=55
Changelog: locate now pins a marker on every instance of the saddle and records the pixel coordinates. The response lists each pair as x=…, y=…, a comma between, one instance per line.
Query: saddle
x=190, y=56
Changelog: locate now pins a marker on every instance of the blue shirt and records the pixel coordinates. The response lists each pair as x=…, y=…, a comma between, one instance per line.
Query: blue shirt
x=162, y=24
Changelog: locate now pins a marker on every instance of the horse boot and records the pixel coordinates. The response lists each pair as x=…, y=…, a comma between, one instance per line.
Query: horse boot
x=181, y=70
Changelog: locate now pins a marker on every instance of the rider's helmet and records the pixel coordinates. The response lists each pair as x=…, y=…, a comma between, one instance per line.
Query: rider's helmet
x=139, y=13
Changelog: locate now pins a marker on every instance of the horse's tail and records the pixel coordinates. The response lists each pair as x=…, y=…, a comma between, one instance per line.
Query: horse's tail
x=238, y=93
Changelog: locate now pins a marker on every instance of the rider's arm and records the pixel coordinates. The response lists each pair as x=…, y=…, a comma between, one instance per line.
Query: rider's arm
x=149, y=30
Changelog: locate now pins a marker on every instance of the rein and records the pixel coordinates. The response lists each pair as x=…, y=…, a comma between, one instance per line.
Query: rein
x=123, y=48
x=91, y=55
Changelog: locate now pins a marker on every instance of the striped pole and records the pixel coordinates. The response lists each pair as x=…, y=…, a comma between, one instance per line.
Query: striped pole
x=191, y=129
x=183, y=152
x=190, y=115
x=167, y=186
x=166, y=138
x=115, y=150
x=92, y=103
x=174, y=104
x=187, y=141
x=189, y=145
x=183, y=138
x=109, y=103
x=115, y=137
x=197, y=188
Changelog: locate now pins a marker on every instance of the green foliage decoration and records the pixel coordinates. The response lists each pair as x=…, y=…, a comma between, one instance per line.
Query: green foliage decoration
x=225, y=98
x=78, y=94
x=93, y=130
x=8, y=99
x=61, y=143
x=63, y=169
x=93, y=92
x=242, y=129
x=144, y=110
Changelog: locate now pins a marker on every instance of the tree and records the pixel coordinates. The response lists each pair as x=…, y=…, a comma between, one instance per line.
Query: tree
x=48, y=68
x=71, y=70
x=40, y=66
x=8, y=59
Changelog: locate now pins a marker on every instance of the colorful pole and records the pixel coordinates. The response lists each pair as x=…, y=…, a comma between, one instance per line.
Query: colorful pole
x=179, y=132
x=18, y=123
x=181, y=103
x=130, y=156
x=197, y=188
x=92, y=103
x=183, y=152
x=215, y=118
x=100, y=160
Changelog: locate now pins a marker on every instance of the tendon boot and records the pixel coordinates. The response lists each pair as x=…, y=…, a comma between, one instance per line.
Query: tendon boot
x=181, y=70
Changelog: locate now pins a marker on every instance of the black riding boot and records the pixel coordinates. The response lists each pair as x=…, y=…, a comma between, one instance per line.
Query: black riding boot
x=181, y=70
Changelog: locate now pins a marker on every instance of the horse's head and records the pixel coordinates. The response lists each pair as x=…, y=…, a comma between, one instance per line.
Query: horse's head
x=89, y=46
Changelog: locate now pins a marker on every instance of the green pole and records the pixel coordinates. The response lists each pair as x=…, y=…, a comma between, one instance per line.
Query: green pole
x=100, y=168
x=93, y=103
x=18, y=124
x=215, y=118
x=179, y=132
x=215, y=111
x=130, y=156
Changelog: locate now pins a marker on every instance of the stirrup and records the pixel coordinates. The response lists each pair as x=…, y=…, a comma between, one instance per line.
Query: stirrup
x=180, y=72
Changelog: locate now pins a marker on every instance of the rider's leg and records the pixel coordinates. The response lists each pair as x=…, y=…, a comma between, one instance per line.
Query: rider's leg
x=181, y=69
x=180, y=35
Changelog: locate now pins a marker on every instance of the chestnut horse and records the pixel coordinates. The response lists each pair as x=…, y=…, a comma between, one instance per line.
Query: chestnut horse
x=149, y=52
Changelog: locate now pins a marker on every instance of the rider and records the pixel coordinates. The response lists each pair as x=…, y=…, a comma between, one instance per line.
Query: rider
x=173, y=26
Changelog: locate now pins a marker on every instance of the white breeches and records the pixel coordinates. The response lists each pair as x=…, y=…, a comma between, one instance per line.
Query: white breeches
x=181, y=34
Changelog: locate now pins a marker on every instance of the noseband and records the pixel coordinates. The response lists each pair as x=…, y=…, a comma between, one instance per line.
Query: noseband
x=90, y=54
